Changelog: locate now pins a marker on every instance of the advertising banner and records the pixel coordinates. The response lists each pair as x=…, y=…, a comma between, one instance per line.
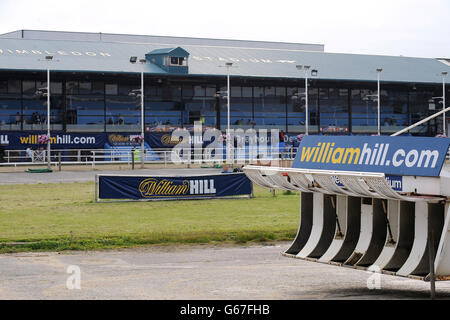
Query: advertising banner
x=23, y=140
x=167, y=188
x=413, y=156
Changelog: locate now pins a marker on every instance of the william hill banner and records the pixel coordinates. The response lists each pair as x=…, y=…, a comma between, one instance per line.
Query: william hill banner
x=166, y=188
x=413, y=156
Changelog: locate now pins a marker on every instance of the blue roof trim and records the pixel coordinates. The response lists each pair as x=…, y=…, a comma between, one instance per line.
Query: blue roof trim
x=171, y=52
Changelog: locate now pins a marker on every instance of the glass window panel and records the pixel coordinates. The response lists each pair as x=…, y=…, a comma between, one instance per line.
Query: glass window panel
x=125, y=88
x=333, y=110
x=111, y=89
x=85, y=87
x=176, y=91
x=258, y=92
x=72, y=87
x=153, y=92
x=34, y=109
x=210, y=91
x=236, y=92
x=419, y=108
x=364, y=110
x=269, y=91
x=3, y=86
x=14, y=86
x=188, y=91
x=85, y=109
x=55, y=88
x=29, y=87
x=10, y=112
x=199, y=91
x=163, y=113
x=247, y=92
x=280, y=91
x=98, y=87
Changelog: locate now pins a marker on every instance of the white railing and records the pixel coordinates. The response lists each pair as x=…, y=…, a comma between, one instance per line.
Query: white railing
x=125, y=156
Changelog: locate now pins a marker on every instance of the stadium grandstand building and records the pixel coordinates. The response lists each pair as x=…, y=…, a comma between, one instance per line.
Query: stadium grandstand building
x=93, y=74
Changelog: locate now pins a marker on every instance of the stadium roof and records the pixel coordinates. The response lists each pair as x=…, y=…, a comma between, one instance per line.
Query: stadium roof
x=105, y=53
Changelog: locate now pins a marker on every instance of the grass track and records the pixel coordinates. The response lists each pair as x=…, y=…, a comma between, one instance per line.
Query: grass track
x=64, y=217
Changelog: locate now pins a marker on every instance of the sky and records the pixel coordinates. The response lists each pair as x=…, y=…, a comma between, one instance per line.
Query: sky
x=383, y=27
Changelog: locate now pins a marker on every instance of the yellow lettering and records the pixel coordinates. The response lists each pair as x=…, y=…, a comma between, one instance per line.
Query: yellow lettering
x=352, y=152
x=317, y=151
x=330, y=154
x=307, y=154
x=338, y=160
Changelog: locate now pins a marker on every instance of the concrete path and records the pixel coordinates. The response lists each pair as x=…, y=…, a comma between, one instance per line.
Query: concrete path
x=195, y=272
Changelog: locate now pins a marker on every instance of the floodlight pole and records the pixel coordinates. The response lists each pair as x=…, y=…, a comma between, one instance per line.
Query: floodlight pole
x=228, y=135
x=300, y=67
x=306, y=100
x=379, y=100
x=48, y=119
x=142, y=122
x=444, y=129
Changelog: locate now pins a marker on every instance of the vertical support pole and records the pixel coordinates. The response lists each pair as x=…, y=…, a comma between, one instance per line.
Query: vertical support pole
x=59, y=160
x=444, y=125
x=228, y=135
x=48, y=118
x=132, y=160
x=96, y=189
x=306, y=103
x=142, y=122
x=379, y=102
x=431, y=261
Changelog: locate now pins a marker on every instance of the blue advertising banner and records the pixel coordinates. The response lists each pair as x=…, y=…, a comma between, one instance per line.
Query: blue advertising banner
x=166, y=188
x=161, y=140
x=23, y=140
x=414, y=156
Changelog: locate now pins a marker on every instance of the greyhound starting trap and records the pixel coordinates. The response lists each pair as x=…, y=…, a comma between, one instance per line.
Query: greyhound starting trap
x=374, y=203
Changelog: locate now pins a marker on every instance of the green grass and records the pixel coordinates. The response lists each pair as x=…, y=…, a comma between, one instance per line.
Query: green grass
x=64, y=217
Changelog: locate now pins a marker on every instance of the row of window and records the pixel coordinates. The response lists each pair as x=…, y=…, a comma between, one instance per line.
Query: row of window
x=99, y=104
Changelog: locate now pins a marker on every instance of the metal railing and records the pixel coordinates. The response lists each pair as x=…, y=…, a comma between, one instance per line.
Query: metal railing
x=155, y=156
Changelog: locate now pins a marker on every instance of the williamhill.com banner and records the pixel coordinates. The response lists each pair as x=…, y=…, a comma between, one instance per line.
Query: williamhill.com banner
x=412, y=156
x=166, y=188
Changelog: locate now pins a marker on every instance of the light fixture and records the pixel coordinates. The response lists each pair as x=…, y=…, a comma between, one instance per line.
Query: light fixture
x=133, y=59
x=314, y=72
x=48, y=57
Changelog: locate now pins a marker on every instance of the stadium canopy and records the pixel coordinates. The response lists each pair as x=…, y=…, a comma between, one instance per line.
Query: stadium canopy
x=105, y=53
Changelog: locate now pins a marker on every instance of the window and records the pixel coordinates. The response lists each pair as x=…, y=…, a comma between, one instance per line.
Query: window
x=270, y=107
x=3, y=86
x=163, y=113
x=55, y=88
x=364, y=111
x=98, y=87
x=72, y=87
x=123, y=112
x=333, y=110
x=29, y=87
x=177, y=61
x=10, y=112
x=14, y=86
x=296, y=109
x=85, y=87
x=85, y=111
x=111, y=89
